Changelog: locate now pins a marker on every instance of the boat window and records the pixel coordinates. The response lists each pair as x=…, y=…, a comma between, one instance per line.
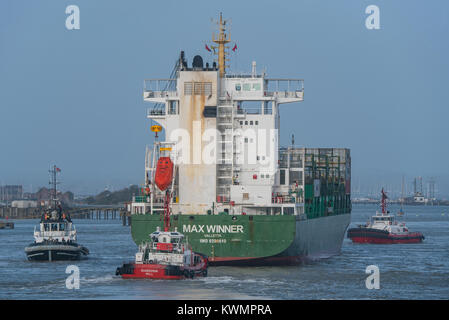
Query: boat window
x=54, y=227
x=46, y=227
x=238, y=87
x=61, y=227
x=173, y=107
x=267, y=106
x=282, y=177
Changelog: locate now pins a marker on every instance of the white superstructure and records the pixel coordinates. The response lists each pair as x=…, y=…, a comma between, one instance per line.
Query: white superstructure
x=55, y=229
x=225, y=130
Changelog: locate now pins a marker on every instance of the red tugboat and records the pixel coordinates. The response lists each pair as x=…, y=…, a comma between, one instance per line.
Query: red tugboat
x=384, y=229
x=167, y=254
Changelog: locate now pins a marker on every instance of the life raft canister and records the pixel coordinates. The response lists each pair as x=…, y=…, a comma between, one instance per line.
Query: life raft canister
x=164, y=173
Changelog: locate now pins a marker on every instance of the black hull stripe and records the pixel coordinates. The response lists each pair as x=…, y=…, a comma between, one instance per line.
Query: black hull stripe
x=380, y=234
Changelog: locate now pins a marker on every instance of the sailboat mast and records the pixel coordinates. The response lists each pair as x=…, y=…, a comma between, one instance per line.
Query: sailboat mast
x=402, y=193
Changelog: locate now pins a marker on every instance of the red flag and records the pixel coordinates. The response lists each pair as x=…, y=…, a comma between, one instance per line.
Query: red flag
x=235, y=47
x=207, y=48
x=58, y=170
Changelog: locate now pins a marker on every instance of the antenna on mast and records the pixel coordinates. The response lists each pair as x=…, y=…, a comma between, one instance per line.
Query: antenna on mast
x=384, y=202
x=222, y=39
x=53, y=182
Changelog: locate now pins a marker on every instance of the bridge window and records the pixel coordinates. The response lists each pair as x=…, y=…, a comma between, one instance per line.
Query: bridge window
x=251, y=107
x=282, y=177
x=173, y=107
x=267, y=107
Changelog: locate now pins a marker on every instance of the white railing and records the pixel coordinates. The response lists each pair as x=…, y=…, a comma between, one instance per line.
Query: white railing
x=284, y=85
x=159, y=85
x=160, y=94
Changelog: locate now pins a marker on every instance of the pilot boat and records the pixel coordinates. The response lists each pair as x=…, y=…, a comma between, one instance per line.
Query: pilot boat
x=166, y=254
x=383, y=228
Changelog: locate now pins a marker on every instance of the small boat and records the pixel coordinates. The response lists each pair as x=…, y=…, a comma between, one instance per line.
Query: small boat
x=383, y=228
x=6, y=224
x=56, y=237
x=166, y=254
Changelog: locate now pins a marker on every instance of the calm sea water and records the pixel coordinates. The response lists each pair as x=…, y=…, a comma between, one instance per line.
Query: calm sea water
x=407, y=271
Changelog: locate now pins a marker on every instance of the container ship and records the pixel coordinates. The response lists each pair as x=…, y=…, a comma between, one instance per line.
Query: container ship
x=239, y=197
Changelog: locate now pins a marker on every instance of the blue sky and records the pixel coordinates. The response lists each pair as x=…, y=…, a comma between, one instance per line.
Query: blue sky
x=74, y=98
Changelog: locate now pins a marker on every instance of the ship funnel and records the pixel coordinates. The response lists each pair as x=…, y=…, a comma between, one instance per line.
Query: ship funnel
x=197, y=63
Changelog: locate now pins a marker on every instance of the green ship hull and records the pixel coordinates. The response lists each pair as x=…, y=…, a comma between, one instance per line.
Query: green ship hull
x=252, y=240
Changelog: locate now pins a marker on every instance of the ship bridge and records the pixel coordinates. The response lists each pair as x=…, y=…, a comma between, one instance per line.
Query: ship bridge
x=236, y=88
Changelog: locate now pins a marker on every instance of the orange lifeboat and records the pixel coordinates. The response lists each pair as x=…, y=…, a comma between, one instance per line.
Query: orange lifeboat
x=164, y=173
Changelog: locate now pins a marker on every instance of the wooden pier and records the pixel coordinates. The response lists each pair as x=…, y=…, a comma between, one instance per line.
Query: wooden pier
x=89, y=212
